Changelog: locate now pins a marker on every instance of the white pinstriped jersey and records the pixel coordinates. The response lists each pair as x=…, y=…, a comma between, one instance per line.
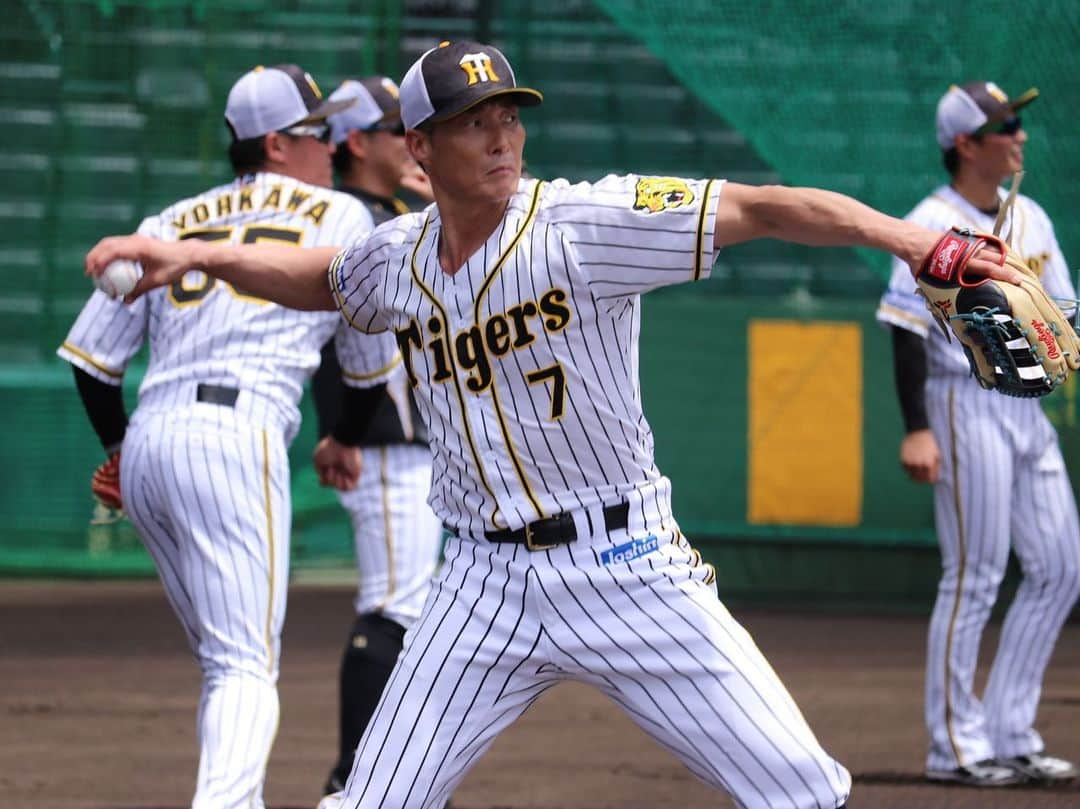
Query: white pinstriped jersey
x=202, y=330
x=1033, y=240
x=525, y=359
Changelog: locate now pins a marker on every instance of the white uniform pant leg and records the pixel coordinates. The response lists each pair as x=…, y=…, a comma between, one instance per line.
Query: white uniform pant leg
x=397, y=535
x=971, y=508
x=210, y=497
x=470, y=666
x=654, y=636
x=1046, y=538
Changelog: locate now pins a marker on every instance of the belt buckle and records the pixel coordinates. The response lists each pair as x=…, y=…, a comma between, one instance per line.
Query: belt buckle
x=532, y=545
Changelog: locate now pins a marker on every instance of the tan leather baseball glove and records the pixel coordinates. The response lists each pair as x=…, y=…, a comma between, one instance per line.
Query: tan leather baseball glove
x=1017, y=340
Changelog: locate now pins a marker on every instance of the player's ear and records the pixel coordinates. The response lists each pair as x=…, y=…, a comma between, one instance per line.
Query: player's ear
x=419, y=145
x=355, y=143
x=274, y=144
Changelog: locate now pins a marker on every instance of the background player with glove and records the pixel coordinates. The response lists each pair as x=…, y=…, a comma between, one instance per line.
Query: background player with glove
x=517, y=304
x=204, y=473
x=995, y=464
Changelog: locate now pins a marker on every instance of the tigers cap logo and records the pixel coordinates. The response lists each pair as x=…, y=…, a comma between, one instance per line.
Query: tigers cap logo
x=656, y=194
x=478, y=68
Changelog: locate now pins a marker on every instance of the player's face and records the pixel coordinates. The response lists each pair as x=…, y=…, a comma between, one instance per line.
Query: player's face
x=387, y=154
x=1000, y=155
x=474, y=156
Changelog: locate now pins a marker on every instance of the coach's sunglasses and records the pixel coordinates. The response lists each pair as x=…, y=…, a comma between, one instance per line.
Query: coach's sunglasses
x=1010, y=126
x=321, y=132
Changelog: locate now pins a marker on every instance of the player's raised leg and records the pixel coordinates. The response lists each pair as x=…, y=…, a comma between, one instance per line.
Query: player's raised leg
x=652, y=634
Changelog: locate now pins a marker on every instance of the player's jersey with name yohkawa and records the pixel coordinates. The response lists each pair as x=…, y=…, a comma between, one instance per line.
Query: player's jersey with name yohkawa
x=525, y=360
x=205, y=331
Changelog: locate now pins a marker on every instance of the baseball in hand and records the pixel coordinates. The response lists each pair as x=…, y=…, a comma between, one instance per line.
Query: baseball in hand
x=119, y=278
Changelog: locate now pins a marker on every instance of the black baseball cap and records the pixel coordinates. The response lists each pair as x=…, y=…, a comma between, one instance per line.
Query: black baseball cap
x=968, y=108
x=454, y=76
x=268, y=99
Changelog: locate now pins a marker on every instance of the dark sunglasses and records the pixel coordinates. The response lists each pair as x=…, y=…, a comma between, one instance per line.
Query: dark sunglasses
x=321, y=132
x=1010, y=126
x=393, y=128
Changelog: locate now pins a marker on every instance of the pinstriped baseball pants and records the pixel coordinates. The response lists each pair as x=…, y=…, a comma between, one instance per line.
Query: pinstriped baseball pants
x=209, y=495
x=502, y=625
x=1003, y=483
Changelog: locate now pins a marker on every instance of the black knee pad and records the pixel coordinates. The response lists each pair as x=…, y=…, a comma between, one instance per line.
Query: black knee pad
x=370, y=653
x=375, y=640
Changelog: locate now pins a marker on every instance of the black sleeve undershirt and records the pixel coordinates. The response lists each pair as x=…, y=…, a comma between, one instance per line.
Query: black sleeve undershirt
x=357, y=407
x=326, y=388
x=342, y=411
x=909, y=371
x=104, y=405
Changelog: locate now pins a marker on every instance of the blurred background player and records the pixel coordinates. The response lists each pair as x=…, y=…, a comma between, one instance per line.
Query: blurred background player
x=996, y=467
x=370, y=158
x=396, y=534
x=204, y=473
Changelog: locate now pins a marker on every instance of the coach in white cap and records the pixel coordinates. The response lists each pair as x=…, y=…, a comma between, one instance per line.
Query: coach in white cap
x=517, y=306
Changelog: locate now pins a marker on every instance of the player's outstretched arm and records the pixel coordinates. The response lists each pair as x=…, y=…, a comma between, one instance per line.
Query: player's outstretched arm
x=824, y=218
x=294, y=277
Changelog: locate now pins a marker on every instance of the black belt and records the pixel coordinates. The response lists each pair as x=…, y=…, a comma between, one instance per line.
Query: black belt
x=216, y=394
x=557, y=530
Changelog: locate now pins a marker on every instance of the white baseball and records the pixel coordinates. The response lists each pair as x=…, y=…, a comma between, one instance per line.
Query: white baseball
x=119, y=278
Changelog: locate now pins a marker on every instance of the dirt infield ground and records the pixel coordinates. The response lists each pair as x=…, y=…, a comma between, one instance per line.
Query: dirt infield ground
x=99, y=693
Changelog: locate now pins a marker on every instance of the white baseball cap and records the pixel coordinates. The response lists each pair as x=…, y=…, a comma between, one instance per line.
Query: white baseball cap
x=268, y=99
x=454, y=76
x=966, y=109
x=376, y=100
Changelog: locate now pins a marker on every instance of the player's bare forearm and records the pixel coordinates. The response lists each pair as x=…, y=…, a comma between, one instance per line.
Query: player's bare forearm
x=284, y=274
x=291, y=276
x=817, y=217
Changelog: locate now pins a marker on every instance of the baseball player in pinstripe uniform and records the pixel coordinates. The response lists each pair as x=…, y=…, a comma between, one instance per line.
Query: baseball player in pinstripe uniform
x=396, y=534
x=516, y=304
x=204, y=474
x=996, y=467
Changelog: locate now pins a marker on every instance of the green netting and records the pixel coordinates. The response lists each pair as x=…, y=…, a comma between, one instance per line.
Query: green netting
x=842, y=94
x=111, y=109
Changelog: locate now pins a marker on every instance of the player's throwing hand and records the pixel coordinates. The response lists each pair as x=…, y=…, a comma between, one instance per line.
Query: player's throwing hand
x=163, y=263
